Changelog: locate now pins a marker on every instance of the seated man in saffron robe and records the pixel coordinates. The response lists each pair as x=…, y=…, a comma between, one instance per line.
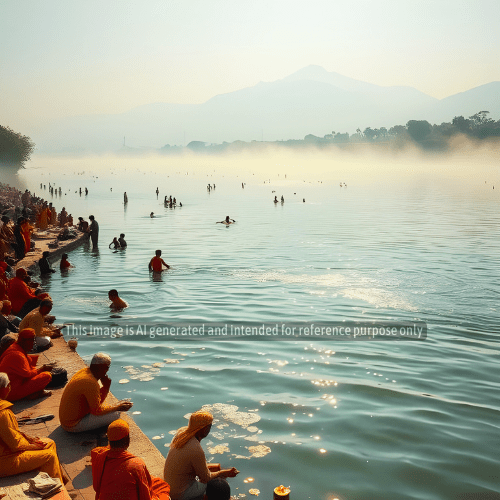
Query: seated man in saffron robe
x=23, y=298
x=82, y=406
x=19, y=452
x=119, y=475
x=27, y=380
x=36, y=320
x=186, y=460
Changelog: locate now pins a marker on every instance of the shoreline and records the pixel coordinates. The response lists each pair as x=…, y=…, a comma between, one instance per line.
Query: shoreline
x=73, y=449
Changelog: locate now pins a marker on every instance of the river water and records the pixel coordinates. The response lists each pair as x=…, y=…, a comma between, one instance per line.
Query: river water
x=412, y=240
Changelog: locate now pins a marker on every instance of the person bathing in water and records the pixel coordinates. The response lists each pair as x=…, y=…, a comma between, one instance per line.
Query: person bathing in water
x=156, y=263
x=115, y=243
x=116, y=302
x=227, y=220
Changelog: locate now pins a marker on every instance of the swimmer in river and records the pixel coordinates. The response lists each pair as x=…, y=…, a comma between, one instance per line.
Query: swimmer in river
x=122, y=241
x=125, y=197
x=116, y=302
x=156, y=263
x=157, y=192
x=282, y=199
x=227, y=220
x=115, y=243
x=276, y=199
x=152, y=215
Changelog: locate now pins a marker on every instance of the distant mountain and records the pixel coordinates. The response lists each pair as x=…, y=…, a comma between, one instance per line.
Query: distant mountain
x=310, y=101
x=483, y=98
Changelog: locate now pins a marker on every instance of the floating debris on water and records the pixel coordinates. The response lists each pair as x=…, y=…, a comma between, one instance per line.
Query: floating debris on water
x=249, y=480
x=124, y=381
x=171, y=361
x=163, y=388
x=156, y=437
x=259, y=450
x=231, y=414
x=142, y=376
x=158, y=365
x=220, y=448
x=136, y=412
x=252, y=428
x=221, y=426
x=254, y=491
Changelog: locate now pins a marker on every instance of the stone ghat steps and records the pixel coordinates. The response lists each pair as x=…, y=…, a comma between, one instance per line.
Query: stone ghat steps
x=74, y=449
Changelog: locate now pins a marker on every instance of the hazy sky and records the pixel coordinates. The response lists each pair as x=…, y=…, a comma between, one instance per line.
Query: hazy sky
x=68, y=57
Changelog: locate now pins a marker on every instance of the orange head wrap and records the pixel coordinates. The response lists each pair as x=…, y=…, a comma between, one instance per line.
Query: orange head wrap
x=117, y=430
x=26, y=333
x=197, y=421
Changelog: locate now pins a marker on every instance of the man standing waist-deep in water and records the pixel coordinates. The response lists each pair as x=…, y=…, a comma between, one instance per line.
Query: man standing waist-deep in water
x=94, y=231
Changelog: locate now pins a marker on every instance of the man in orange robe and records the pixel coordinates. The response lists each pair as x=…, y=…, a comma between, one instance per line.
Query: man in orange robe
x=22, y=297
x=83, y=407
x=19, y=452
x=119, y=475
x=26, y=379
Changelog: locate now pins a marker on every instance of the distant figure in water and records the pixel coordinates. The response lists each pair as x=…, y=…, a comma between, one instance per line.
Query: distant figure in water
x=125, y=197
x=227, y=220
x=282, y=199
x=86, y=191
x=242, y=186
x=157, y=192
x=65, y=264
x=303, y=200
x=156, y=263
x=122, y=241
x=116, y=302
x=152, y=214
x=276, y=199
x=115, y=243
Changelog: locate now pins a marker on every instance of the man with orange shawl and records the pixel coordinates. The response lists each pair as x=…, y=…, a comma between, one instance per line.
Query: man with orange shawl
x=27, y=380
x=119, y=475
x=20, y=452
x=186, y=460
x=23, y=298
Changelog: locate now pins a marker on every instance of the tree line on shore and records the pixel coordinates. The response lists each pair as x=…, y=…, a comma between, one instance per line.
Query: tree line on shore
x=15, y=148
x=420, y=132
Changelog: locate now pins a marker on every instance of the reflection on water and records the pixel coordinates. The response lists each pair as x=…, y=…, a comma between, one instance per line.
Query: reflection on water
x=386, y=420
